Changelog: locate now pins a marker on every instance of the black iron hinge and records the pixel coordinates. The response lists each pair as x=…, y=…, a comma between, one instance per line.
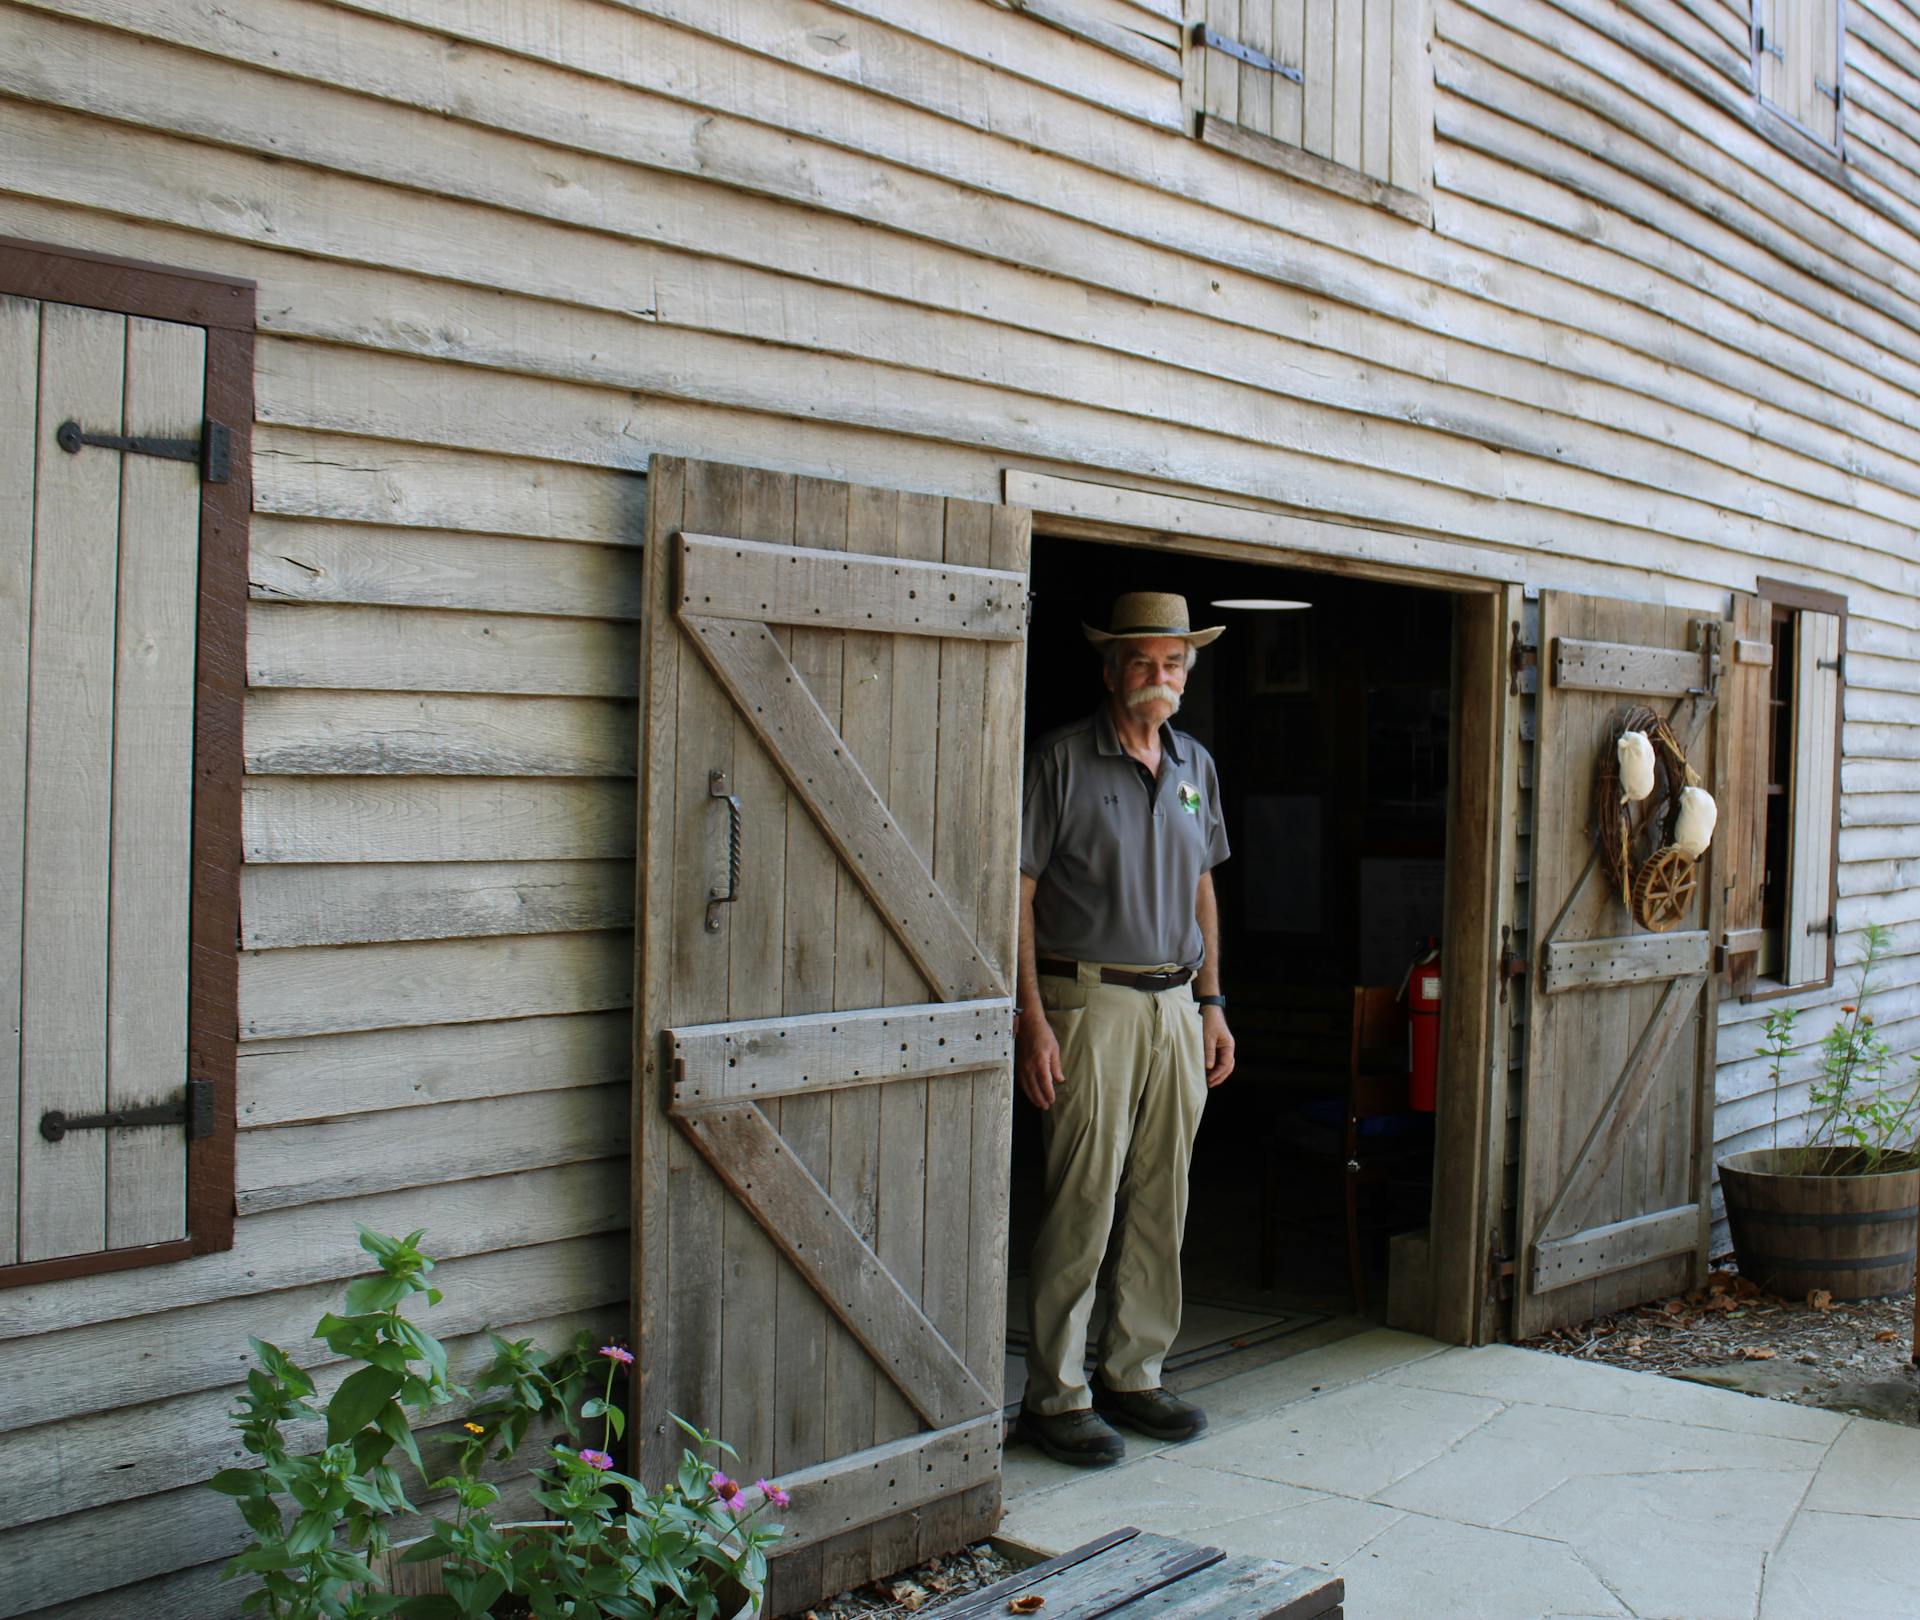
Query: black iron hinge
x=1512, y=965
x=1522, y=656
x=193, y=1109
x=212, y=451
x=1213, y=40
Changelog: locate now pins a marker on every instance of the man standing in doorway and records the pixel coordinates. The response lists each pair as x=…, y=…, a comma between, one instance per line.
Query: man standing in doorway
x=1122, y=1029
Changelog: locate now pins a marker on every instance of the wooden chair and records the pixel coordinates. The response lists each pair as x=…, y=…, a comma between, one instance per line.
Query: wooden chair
x=1365, y=1149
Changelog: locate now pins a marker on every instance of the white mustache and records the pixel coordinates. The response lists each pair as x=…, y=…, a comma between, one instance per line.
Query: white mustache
x=1154, y=694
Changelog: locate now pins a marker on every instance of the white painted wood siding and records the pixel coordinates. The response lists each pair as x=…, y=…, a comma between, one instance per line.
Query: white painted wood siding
x=507, y=252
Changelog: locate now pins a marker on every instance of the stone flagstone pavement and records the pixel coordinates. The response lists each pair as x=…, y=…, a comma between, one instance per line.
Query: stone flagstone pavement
x=1504, y=1484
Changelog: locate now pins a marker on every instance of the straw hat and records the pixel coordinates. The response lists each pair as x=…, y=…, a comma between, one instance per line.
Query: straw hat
x=1142, y=614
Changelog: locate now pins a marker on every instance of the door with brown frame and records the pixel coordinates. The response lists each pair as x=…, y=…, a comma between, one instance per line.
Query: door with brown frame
x=831, y=696
x=1616, y=1133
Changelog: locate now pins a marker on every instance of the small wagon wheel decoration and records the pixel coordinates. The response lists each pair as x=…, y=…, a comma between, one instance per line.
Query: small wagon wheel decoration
x=1645, y=792
x=1663, y=889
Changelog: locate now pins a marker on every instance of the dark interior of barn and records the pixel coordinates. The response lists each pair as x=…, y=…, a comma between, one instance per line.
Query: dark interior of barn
x=1329, y=723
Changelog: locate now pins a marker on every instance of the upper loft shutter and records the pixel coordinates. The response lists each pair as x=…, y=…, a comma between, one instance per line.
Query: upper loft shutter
x=1809, y=923
x=1350, y=86
x=95, y=874
x=1740, y=845
x=1797, y=54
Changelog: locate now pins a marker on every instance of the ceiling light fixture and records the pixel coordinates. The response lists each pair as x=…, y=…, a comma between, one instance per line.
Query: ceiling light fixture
x=1260, y=604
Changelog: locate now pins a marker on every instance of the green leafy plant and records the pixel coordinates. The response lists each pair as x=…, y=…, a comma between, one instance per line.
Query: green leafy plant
x=321, y=1519
x=1860, y=1124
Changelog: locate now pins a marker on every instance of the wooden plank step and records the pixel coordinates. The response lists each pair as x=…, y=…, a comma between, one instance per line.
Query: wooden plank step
x=1137, y=1574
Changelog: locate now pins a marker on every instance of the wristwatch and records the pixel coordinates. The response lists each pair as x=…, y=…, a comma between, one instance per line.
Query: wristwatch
x=1212, y=1001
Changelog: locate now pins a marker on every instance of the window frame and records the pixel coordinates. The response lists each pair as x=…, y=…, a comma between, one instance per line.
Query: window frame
x=1796, y=599
x=224, y=307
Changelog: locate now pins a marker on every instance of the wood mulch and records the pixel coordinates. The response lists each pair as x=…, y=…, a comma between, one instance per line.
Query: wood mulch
x=922, y=1589
x=1815, y=1351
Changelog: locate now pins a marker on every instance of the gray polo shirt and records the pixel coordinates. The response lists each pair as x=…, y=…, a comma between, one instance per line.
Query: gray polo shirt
x=1117, y=855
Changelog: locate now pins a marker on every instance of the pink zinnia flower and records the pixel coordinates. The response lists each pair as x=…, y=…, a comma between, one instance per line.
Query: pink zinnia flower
x=615, y=1353
x=725, y=1488
x=774, y=1494
x=596, y=1459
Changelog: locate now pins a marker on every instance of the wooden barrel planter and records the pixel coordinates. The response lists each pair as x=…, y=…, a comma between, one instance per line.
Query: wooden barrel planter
x=1852, y=1235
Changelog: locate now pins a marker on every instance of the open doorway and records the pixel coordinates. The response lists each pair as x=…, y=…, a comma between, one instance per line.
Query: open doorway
x=1331, y=724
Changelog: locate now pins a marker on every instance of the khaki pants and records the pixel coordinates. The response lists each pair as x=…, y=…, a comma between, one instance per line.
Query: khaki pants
x=1119, y=1138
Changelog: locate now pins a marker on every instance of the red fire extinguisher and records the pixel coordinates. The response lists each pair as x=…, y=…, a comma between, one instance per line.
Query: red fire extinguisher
x=1422, y=990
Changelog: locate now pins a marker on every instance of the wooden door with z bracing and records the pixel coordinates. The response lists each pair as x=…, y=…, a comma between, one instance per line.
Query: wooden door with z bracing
x=832, y=687
x=1616, y=1126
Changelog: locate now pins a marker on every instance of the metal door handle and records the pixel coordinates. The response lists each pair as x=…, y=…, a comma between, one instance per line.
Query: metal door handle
x=717, y=897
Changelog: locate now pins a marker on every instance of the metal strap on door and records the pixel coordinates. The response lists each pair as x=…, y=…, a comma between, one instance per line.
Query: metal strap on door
x=211, y=452
x=193, y=1108
x=1213, y=40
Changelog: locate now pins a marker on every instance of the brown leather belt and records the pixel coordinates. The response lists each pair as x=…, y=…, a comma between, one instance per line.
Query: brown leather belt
x=1054, y=968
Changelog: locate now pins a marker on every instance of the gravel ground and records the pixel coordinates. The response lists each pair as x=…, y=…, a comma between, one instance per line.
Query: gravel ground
x=921, y=1590
x=1814, y=1352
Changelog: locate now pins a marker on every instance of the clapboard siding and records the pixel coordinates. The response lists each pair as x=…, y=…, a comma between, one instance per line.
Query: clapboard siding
x=439, y=743
x=1651, y=346
x=330, y=1075
x=358, y=905
x=960, y=348
x=288, y=1248
x=102, y=1457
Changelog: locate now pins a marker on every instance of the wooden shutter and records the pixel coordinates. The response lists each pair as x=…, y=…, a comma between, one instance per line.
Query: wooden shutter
x=98, y=723
x=1814, y=785
x=1620, y=1023
x=832, y=687
x=1797, y=55
x=1349, y=82
x=1740, y=844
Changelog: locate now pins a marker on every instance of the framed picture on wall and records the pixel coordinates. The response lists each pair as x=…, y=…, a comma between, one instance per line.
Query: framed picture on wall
x=1283, y=654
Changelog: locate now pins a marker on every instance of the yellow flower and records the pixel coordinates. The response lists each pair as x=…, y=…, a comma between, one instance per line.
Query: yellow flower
x=473, y=1428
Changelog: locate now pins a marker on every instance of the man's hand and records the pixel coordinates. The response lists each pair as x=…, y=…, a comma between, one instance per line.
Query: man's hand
x=1036, y=1058
x=1218, y=1044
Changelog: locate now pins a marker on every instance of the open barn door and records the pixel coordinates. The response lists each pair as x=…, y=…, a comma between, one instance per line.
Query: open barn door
x=831, y=690
x=1616, y=1132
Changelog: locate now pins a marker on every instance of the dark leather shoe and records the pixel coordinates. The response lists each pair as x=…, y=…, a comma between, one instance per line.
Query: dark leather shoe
x=1079, y=1438
x=1156, y=1413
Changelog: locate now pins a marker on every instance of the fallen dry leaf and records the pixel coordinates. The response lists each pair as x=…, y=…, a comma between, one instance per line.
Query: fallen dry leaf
x=1026, y=1603
x=1757, y=1352
x=908, y=1594
x=1885, y=1336
x=1720, y=1302
x=1818, y=1299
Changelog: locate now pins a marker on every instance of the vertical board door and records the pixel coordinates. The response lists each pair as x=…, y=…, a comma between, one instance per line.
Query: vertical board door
x=1615, y=1129
x=99, y=591
x=832, y=691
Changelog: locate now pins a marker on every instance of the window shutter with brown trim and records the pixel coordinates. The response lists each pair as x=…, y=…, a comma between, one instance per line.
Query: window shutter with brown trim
x=1740, y=853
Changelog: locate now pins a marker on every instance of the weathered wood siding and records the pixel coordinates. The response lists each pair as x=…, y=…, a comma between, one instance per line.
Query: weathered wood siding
x=1652, y=345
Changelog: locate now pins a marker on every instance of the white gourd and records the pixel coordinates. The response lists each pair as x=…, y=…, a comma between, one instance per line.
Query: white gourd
x=1693, y=829
x=1635, y=756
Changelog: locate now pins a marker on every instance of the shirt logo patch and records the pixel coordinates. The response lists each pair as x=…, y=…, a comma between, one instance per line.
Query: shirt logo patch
x=1189, y=799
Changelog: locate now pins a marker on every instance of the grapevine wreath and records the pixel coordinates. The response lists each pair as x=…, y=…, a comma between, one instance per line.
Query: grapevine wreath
x=1643, y=785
